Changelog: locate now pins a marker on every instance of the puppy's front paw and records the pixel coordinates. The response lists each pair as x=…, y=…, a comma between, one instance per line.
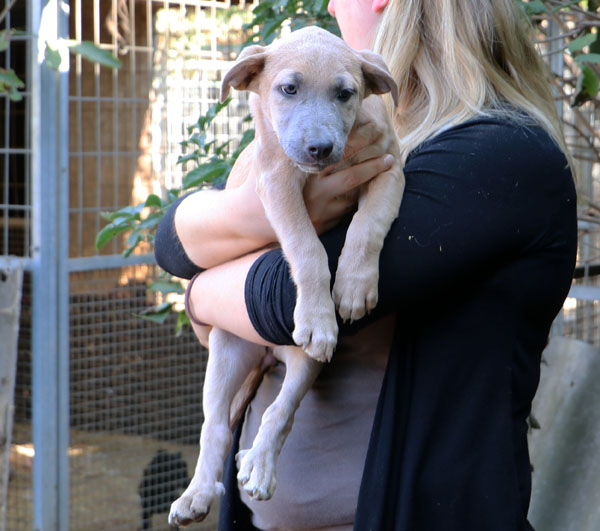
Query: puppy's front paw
x=316, y=328
x=257, y=472
x=194, y=504
x=355, y=290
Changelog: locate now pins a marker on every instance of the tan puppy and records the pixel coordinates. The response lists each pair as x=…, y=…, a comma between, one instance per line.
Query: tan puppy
x=311, y=92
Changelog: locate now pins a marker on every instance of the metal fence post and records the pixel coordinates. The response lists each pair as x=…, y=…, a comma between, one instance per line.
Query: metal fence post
x=49, y=138
x=11, y=281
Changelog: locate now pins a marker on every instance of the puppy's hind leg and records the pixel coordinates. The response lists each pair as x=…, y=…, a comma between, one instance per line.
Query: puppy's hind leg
x=230, y=360
x=257, y=465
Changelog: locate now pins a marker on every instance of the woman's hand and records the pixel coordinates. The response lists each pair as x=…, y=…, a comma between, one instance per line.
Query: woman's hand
x=330, y=197
x=217, y=226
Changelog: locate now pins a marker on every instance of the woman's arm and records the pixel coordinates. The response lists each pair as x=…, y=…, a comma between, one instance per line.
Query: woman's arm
x=217, y=226
x=474, y=199
x=217, y=298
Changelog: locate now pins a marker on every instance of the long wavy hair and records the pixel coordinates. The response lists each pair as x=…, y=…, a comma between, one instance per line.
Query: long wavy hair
x=454, y=59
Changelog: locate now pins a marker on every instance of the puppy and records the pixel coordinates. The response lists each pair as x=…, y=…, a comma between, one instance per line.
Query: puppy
x=313, y=97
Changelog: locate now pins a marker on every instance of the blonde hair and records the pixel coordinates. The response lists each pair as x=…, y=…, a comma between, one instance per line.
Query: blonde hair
x=454, y=59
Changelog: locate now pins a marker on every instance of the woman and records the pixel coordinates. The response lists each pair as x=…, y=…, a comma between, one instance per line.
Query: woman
x=472, y=274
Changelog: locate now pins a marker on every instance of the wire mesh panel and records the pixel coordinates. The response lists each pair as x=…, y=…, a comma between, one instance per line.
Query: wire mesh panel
x=15, y=240
x=20, y=493
x=15, y=149
x=135, y=388
x=126, y=125
x=136, y=395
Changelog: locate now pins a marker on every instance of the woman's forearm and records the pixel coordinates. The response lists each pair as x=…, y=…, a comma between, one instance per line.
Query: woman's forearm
x=217, y=226
x=217, y=298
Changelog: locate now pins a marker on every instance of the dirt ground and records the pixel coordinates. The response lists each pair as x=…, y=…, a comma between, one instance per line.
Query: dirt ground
x=105, y=470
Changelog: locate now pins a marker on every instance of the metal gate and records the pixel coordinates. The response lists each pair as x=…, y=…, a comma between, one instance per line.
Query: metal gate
x=105, y=403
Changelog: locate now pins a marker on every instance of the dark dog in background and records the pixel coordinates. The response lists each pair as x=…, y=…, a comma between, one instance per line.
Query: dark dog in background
x=165, y=476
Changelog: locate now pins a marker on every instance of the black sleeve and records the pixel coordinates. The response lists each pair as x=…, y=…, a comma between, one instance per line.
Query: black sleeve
x=477, y=196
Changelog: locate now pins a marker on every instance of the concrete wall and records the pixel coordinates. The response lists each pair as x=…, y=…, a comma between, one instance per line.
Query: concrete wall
x=565, y=450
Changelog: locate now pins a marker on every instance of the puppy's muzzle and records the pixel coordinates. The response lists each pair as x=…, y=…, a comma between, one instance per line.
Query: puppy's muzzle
x=318, y=152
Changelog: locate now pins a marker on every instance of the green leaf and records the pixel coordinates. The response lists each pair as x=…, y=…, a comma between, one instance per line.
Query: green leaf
x=108, y=233
x=165, y=286
x=533, y=7
x=207, y=147
x=128, y=213
x=588, y=58
x=10, y=83
x=565, y=5
x=8, y=77
x=132, y=243
x=153, y=201
x=151, y=221
x=222, y=149
x=156, y=314
x=88, y=50
x=172, y=195
x=205, y=173
x=579, y=44
x=271, y=29
x=182, y=321
x=52, y=57
x=187, y=158
x=197, y=139
x=5, y=36
x=15, y=95
x=587, y=86
x=247, y=137
x=204, y=121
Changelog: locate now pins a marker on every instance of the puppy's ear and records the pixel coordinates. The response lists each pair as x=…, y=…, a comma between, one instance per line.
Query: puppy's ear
x=377, y=76
x=241, y=75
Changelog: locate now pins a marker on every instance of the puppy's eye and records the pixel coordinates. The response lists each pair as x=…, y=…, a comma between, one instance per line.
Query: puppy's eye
x=289, y=90
x=345, y=94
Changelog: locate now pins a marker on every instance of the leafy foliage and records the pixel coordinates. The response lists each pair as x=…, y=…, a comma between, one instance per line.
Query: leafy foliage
x=10, y=82
x=271, y=15
x=211, y=166
x=573, y=25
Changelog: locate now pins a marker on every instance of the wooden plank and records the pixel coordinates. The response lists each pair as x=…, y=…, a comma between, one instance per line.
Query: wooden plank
x=11, y=281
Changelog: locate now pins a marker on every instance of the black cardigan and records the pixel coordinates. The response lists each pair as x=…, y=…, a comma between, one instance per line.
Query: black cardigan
x=476, y=267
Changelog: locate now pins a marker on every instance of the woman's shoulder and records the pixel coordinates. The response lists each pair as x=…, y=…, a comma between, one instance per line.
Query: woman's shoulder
x=507, y=131
x=495, y=148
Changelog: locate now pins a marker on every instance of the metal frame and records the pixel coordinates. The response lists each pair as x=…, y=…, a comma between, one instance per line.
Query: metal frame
x=49, y=96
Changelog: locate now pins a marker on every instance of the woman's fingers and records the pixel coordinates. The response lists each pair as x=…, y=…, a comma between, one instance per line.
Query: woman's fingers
x=348, y=179
x=331, y=197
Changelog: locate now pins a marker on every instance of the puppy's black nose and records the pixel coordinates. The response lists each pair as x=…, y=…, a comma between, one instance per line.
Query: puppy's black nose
x=320, y=151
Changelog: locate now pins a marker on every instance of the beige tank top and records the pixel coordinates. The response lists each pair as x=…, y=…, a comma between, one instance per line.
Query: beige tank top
x=320, y=466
